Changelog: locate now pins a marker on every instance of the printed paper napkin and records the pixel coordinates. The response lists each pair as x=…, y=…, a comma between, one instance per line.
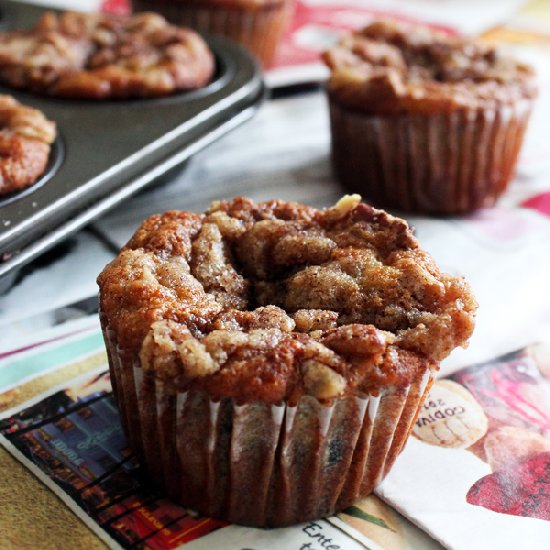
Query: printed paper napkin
x=476, y=473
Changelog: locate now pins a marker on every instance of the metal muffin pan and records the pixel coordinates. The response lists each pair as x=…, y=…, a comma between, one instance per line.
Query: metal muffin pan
x=108, y=150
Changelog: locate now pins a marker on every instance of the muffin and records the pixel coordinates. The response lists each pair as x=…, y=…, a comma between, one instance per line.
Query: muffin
x=26, y=136
x=256, y=24
x=423, y=122
x=93, y=56
x=269, y=360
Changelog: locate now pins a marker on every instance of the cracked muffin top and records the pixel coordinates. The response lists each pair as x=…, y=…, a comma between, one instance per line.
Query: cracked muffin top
x=98, y=56
x=274, y=300
x=389, y=67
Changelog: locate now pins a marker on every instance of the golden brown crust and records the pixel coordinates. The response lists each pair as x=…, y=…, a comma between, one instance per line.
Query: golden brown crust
x=389, y=68
x=25, y=139
x=272, y=300
x=96, y=56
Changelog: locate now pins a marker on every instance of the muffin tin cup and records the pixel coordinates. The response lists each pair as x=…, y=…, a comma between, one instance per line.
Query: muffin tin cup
x=440, y=163
x=258, y=28
x=258, y=464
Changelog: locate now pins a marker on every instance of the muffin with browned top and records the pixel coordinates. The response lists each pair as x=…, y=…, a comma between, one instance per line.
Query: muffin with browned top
x=256, y=24
x=425, y=122
x=99, y=56
x=269, y=359
x=26, y=137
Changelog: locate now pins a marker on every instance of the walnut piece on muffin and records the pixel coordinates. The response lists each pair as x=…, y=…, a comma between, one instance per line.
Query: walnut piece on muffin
x=271, y=301
x=98, y=56
x=25, y=142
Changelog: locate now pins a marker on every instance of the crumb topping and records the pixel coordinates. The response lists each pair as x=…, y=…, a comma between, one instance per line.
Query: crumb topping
x=388, y=67
x=25, y=139
x=273, y=300
x=100, y=56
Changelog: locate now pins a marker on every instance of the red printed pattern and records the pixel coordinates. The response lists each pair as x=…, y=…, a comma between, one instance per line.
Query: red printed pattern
x=523, y=490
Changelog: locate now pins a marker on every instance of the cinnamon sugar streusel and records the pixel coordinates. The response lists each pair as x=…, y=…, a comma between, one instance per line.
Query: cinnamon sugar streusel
x=102, y=56
x=25, y=140
x=274, y=300
x=388, y=67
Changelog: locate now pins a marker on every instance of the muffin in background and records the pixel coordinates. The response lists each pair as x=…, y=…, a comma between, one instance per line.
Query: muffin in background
x=269, y=360
x=26, y=138
x=424, y=122
x=256, y=24
x=97, y=56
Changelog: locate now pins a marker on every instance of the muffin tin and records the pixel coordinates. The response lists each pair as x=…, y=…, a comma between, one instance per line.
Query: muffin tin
x=108, y=150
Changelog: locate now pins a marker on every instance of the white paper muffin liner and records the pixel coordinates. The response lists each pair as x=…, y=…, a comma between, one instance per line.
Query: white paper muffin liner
x=439, y=163
x=258, y=464
x=258, y=28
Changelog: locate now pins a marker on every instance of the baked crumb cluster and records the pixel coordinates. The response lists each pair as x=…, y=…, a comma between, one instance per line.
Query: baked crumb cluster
x=390, y=66
x=25, y=139
x=273, y=300
x=104, y=56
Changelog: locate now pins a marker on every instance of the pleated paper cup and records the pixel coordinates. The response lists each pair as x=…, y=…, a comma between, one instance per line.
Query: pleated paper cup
x=258, y=464
x=258, y=28
x=439, y=163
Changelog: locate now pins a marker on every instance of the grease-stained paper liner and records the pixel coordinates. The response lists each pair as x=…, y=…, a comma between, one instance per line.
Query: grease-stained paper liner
x=258, y=464
x=439, y=163
x=258, y=28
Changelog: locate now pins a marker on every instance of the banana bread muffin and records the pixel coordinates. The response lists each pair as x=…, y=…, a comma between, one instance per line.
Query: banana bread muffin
x=94, y=56
x=256, y=24
x=26, y=136
x=269, y=359
x=424, y=122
